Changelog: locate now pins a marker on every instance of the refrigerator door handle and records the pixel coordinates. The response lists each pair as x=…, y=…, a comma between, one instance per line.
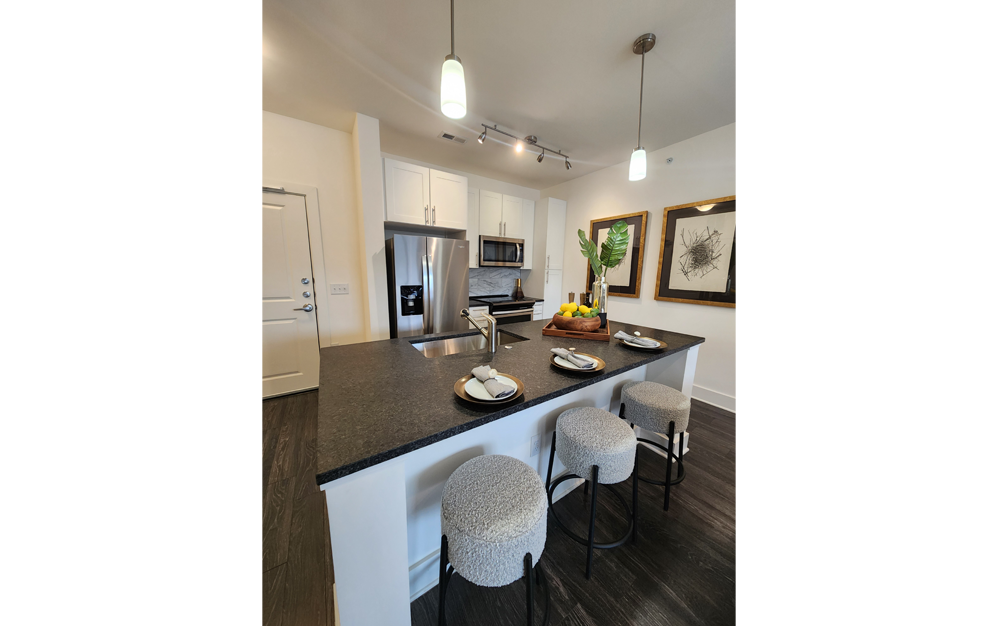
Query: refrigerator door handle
x=427, y=296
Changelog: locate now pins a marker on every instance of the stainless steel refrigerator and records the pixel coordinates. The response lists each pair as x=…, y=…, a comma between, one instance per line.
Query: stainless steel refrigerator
x=427, y=284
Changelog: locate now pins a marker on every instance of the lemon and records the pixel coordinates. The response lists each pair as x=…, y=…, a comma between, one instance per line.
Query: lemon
x=573, y=307
x=583, y=309
x=565, y=307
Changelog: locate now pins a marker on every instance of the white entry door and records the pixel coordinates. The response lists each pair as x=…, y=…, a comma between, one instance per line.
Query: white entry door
x=290, y=337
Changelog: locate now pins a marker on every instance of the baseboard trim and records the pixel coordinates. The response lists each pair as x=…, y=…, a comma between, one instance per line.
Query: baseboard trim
x=435, y=555
x=715, y=398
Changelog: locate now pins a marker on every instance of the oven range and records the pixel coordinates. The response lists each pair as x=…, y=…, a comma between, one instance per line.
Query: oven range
x=506, y=310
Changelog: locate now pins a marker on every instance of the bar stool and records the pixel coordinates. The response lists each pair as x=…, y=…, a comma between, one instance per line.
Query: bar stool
x=661, y=409
x=600, y=448
x=493, y=517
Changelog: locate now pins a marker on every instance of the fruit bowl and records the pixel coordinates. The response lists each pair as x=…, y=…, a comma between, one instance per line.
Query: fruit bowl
x=581, y=324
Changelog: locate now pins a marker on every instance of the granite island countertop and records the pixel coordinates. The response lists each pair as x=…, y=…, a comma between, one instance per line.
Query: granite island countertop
x=382, y=399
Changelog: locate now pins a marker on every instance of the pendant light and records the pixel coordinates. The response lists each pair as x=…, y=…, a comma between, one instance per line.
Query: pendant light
x=639, y=159
x=452, y=97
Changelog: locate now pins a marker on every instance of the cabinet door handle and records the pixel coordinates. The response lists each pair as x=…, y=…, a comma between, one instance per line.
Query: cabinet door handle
x=549, y=261
x=546, y=273
x=434, y=215
x=426, y=214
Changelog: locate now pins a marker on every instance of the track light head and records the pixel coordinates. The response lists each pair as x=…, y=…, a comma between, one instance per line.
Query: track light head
x=568, y=165
x=540, y=157
x=519, y=145
x=481, y=138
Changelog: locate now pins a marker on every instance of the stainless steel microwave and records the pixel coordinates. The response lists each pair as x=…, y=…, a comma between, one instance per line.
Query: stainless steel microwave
x=500, y=252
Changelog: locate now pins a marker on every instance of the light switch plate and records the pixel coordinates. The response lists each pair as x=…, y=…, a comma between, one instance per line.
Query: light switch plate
x=338, y=289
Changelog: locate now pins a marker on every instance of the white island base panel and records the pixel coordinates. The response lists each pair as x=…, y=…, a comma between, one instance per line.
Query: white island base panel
x=384, y=521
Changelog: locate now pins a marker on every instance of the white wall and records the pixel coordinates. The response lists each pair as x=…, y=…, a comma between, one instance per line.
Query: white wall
x=703, y=168
x=307, y=154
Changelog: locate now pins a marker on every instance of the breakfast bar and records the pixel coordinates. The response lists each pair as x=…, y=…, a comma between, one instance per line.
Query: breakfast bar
x=391, y=431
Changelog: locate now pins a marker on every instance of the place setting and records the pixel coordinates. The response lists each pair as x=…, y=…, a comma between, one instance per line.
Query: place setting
x=638, y=342
x=573, y=361
x=485, y=385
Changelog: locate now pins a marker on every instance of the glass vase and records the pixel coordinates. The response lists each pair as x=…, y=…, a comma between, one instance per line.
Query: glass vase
x=600, y=288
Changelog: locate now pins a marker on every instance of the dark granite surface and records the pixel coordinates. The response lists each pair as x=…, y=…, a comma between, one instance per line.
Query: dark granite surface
x=382, y=399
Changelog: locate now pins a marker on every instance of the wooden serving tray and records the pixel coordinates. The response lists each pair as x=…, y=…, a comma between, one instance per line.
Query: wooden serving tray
x=600, y=334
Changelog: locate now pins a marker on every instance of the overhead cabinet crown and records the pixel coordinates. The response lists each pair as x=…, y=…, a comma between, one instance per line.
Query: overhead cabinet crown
x=426, y=197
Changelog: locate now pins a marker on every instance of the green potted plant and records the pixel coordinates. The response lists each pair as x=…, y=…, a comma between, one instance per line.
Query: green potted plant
x=603, y=258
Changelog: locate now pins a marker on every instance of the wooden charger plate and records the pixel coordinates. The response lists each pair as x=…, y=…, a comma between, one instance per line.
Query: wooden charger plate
x=461, y=393
x=600, y=364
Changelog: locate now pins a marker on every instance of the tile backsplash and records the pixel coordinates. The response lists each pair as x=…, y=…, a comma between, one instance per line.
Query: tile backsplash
x=484, y=281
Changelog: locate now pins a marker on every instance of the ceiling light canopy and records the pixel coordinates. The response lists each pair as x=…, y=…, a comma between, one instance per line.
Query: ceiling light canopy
x=639, y=159
x=453, y=102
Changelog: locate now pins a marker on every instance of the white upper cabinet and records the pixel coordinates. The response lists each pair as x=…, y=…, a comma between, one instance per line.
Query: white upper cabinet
x=448, y=200
x=419, y=195
x=528, y=234
x=555, y=243
x=490, y=213
x=472, y=230
x=407, y=193
x=512, y=217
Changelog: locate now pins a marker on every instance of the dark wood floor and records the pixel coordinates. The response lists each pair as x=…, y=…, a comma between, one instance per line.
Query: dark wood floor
x=681, y=571
x=297, y=560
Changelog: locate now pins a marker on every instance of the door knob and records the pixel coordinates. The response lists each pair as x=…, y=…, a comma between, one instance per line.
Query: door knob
x=307, y=308
x=307, y=294
x=304, y=281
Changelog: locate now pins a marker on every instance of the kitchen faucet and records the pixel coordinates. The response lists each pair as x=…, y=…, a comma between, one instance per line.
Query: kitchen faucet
x=492, y=334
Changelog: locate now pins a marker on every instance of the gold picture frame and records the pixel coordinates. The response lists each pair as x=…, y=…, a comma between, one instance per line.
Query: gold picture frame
x=663, y=292
x=640, y=221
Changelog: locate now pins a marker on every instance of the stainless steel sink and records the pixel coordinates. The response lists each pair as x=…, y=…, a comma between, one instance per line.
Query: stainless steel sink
x=468, y=343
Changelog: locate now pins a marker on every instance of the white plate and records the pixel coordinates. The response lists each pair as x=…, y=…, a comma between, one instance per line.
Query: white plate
x=476, y=389
x=566, y=363
x=658, y=344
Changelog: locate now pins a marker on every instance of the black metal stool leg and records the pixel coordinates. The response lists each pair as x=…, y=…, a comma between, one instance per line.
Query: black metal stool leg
x=634, y=496
x=668, y=463
x=443, y=580
x=530, y=588
x=592, y=522
x=554, y=436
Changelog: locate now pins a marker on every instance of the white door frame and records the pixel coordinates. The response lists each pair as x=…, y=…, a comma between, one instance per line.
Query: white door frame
x=320, y=289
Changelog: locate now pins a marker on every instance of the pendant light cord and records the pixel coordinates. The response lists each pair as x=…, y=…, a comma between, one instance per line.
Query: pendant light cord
x=452, y=36
x=641, y=93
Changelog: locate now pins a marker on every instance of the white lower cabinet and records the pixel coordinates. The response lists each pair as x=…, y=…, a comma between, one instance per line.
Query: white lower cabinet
x=538, y=311
x=476, y=313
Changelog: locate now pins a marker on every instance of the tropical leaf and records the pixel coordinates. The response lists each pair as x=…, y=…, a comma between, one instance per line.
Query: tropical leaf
x=589, y=251
x=614, y=248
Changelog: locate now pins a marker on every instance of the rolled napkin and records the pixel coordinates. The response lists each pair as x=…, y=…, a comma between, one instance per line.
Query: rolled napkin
x=577, y=361
x=641, y=341
x=483, y=373
x=495, y=388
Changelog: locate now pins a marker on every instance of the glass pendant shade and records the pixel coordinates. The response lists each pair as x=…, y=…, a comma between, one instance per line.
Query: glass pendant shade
x=452, y=97
x=639, y=165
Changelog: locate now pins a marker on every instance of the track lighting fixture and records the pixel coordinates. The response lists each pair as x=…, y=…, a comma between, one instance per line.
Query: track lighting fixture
x=639, y=158
x=453, y=102
x=518, y=144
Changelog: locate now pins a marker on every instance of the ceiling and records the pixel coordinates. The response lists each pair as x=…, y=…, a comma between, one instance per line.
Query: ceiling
x=562, y=70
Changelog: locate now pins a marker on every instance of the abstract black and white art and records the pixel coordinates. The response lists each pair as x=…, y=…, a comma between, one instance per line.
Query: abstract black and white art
x=697, y=262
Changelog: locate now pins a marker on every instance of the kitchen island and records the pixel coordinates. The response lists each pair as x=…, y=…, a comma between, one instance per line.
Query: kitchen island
x=391, y=431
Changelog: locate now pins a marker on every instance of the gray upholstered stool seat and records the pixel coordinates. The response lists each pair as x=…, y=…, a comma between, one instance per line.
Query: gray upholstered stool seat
x=653, y=405
x=588, y=436
x=494, y=511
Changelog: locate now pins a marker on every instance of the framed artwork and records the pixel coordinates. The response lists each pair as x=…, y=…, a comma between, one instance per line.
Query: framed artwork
x=697, y=259
x=625, y=279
